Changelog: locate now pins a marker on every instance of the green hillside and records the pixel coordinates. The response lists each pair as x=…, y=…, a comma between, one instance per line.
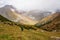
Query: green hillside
x=13, y=31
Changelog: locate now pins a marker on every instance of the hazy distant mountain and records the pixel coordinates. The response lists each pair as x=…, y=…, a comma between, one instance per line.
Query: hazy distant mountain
x=37, y=14
x=58, y=10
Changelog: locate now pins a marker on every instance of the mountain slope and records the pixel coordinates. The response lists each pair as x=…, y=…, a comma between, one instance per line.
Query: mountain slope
x=10, y=13
x=50, y=23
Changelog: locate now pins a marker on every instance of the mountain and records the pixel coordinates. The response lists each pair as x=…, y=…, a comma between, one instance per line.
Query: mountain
x=12, y=14
x=37, y=14
x=50, y=23
x=44, y=20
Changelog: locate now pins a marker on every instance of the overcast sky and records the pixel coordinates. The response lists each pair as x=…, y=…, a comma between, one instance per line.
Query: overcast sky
x=32, y=4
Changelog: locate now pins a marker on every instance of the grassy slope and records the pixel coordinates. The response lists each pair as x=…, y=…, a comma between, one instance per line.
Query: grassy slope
x=54, y=24
x=13, y=32
x=50, y=23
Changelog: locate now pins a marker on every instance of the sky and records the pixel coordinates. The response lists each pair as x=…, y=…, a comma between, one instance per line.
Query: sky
x=27, y=5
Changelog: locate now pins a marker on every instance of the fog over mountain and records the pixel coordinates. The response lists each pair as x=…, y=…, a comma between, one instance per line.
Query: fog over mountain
x=28, y=5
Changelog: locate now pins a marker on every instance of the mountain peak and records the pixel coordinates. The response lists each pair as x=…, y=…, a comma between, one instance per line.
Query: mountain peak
x=9, y=6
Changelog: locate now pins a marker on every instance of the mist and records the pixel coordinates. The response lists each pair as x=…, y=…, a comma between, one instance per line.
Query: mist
x=27, y=5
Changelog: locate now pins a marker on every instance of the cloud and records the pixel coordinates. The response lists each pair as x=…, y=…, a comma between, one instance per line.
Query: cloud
x=33, y=4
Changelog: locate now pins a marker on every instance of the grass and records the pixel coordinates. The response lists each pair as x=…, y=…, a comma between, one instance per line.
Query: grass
x=8, y=32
